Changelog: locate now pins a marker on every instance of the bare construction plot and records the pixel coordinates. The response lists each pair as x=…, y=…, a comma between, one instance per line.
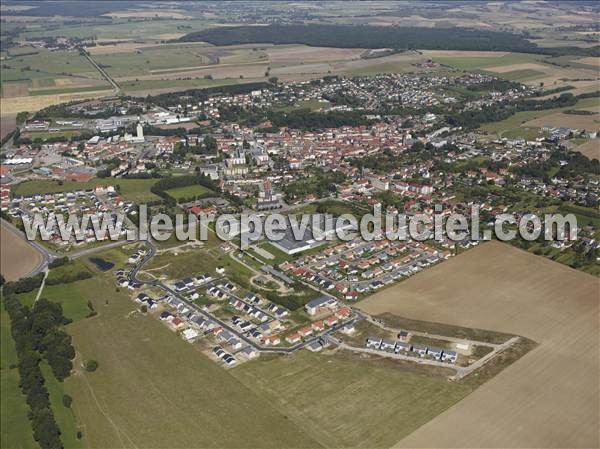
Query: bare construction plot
x=548, y=398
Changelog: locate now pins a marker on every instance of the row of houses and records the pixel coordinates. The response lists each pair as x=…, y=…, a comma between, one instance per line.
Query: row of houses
x=191, y=282
x=387, y=345
x=319, y=325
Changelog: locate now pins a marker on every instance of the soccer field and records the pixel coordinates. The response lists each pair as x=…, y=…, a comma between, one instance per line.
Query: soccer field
x=137, y=190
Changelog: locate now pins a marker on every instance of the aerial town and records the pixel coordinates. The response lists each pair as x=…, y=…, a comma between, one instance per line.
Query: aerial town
x=115, y=113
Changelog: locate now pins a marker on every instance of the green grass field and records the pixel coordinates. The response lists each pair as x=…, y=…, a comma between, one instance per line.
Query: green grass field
x=137, y=190
x=64, y=416
x=70, y=90
x=72, y=300
x=512, y=125
x=119, y=29
x=189, y=191
x=16, y=428
x=519, y=75
x=322, y=394
x=49, y=64
x=145, y=60
x=46, y=134
x=140, y=85
x=481, y=62
x=154, y=390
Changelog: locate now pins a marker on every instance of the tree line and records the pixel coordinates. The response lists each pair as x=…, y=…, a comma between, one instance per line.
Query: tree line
x=38, y=335
x=474, y=118
x=365, y=36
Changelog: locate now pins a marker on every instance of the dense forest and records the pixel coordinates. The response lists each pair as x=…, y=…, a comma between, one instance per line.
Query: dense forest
x=359, y=36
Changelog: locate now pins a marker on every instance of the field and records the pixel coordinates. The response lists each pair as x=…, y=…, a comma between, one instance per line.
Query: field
x=153, y=390
x=17, y=258
x=546, y=399
x=189, y=191
x=589, y=122
x=590, y=149
x=527, y=124
x=343, y=401
x=527, y=68
x=185, y=400
x=14, y=105
x=7, y=125
x=69, y=296
x=16, y=429
x=137, y=190
x=29, y=71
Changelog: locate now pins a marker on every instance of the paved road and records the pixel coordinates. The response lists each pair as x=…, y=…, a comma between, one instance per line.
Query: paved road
x=105, y=75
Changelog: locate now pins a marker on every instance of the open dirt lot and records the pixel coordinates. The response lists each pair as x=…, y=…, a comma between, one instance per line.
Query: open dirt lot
x=549, y=398
x=17, y=258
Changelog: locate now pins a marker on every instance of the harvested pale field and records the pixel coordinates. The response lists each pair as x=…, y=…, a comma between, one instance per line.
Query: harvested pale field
x=591, y=60
x=587, y=122
x=173, y=14
x=548, y=398
x=559, y=76
x=303, y=53
x=301, y=69
x=14, y=105
x=17, y=258
x=8, y=124
x=18, y=89
x=513, y=67
x=471, y=54
x=169, y=36
x=591, y=149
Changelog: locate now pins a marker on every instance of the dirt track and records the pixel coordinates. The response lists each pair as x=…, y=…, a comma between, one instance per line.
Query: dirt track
x=549, y=398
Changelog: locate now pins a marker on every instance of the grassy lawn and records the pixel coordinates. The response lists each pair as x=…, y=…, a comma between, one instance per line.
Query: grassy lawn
x=322, y=393
x=480, y=62
x=69, y=90
x=140, y=85
x=154, y=390
x=45, y=135
x=189, y=191
x=519, y=75
x=69, y=296
x=63, y=415
x=137, y=190
x=16, y=428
